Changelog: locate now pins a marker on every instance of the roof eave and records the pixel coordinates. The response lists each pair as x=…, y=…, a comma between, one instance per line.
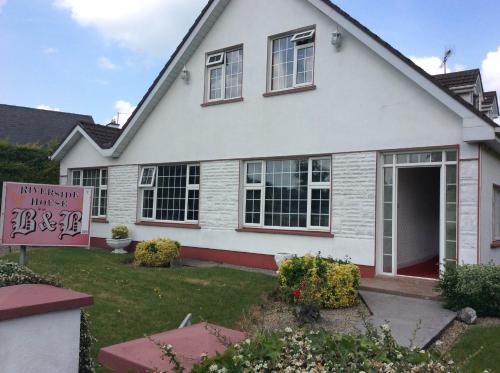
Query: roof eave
x=70, y=141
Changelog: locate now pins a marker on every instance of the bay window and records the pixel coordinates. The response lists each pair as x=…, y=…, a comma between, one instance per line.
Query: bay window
x=287, y=193
x=97, y=178
x=170, y=193
x=292, y=60
x=224, y=75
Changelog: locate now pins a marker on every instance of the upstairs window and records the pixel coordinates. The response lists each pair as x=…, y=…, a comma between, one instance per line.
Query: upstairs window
x=292, y=60
x=224, y=75
x=496, y=213
x=97, y=178
x=170, y=193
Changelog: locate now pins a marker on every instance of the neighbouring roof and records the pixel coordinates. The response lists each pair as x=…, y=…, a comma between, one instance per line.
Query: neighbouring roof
x=458, y=78
x=104, y=136
x=25, y=125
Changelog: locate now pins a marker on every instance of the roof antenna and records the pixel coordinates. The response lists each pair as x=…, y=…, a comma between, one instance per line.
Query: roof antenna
x=447, y=54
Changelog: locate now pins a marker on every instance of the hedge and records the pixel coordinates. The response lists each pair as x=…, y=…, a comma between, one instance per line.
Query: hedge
x=14, y=274
x=156, y=253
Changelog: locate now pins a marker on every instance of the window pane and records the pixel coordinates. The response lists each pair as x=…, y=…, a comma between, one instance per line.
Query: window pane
x=320, y=207
x=305, y=65
x=254, y=172
x=103, y=202
x=451, y=156
x=286, y=189
x=193, y=204
x=194, y=175
x=171, y=193
x=252, y=206
x=147, y=176
x=91, y=178
x=104, y=176
x=496, y=213
x=282, y=63
x=234, y=73
x=215, y=83
x=321, y=170
x=76, y=177
x=147, y=203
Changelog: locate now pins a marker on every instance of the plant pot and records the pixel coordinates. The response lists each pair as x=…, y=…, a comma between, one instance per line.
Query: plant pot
x=280, y=257
x=118, y=244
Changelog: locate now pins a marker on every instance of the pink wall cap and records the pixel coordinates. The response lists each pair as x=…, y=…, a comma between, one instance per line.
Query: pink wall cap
x=28, y=300
x=143, y=356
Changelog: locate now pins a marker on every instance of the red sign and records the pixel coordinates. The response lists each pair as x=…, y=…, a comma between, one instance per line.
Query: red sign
x=45, y=215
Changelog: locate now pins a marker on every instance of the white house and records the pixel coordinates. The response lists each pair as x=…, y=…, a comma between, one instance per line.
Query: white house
x=287, y=126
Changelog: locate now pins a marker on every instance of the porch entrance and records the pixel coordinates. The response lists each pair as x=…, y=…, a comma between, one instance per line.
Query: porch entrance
x=419, y=213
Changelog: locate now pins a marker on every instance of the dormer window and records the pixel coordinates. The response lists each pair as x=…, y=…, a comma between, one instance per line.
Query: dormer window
x=292, y=60
x=224, y=75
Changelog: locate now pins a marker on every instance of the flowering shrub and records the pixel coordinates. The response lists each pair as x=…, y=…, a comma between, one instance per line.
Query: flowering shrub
x=472, y=285
x=119, y=232
x=157, y=253
x=320, y=351
x=14, y=274
x=323, y=281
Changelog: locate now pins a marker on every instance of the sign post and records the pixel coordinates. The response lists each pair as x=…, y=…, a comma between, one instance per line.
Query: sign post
x=44, y=215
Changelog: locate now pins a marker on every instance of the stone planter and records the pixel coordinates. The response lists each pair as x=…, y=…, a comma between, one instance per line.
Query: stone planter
x=278, y=258
x=118, y=244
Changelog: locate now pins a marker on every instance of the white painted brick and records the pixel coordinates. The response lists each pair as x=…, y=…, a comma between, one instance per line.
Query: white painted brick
x=468, y=200
x=122, y=194
x=353, y=194
x=219, y=185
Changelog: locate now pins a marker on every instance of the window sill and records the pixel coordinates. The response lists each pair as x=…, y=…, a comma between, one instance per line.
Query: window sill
x=168, y=225
x=100, y=220
x=286, y=231
x=495, y=244
x=221, y=102
x=291, y=90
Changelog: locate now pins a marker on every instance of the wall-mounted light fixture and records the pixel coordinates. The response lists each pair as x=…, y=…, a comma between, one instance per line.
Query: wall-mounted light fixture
x=337, y=39
x=185, y=75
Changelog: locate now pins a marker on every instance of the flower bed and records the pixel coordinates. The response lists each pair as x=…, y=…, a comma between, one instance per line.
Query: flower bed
x=321, y=281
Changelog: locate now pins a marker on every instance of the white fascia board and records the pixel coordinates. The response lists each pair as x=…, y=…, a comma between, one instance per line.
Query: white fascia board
x=395, y=61
x=71, y=140
x=165, y=81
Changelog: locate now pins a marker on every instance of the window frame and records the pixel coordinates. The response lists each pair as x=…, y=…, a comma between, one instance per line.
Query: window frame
x=496, y=219
x=154, y=188
x=209, y=67
x=310, y=186
x=102, y=187
x=141, y=176
x=293, y=34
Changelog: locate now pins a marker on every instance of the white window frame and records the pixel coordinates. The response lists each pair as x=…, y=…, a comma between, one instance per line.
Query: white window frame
x=296, y=37
x=154, y=188
x=141, y=176
x=496, y=207
x=101, y=187
x=221, y=64
x=310, y=186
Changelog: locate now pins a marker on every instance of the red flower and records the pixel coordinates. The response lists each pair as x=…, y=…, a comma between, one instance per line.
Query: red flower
x=296, y=293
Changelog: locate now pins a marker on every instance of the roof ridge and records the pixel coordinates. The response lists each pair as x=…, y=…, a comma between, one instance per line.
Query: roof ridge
x=47, y=110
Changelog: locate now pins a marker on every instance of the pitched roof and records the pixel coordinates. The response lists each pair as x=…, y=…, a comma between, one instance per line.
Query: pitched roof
x=25, y=125
x=458, y=78
x=104, y=136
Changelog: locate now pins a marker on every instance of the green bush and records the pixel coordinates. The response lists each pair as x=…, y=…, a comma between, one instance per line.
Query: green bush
x=321, y=351
x=14, y=274
x=326, y=282
x=472, y=285
x=119, y=232
x=157, y=253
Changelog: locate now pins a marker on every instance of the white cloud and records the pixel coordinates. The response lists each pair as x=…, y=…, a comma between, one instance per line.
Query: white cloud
x=491, y=71
x=124, y=109
x=50, y=50
x=47, y=107
x=151, y=26
x=105, y=63
x=433, y=65
x=2, y=3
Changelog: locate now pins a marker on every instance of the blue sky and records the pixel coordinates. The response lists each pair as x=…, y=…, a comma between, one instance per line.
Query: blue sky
x=100, y=56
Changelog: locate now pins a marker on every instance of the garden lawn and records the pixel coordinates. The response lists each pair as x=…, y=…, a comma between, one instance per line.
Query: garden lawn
x=130, y=301
x=478, y=349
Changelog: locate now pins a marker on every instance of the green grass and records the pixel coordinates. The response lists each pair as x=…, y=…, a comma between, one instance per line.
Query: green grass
x=478, y=349
x=130, y=301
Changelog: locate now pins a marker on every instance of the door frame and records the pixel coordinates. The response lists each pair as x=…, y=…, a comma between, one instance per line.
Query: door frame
x=445, y=160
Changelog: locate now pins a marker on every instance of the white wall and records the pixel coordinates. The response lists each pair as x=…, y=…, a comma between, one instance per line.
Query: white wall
x=490, y=174
x=41, y=344
x=468, y=211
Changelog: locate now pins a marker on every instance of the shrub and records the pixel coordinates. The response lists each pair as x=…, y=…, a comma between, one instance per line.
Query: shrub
x=14, y=274
x=157, y=253
x=315, y=280
x=472, y=285
x=119, y=232
x=320, y=351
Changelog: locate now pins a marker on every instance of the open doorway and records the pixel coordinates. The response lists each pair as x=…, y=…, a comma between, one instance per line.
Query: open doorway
x=418, y=207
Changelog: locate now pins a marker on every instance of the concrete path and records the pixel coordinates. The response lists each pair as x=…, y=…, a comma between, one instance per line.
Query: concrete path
x=206, y=264
x=404, y=314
